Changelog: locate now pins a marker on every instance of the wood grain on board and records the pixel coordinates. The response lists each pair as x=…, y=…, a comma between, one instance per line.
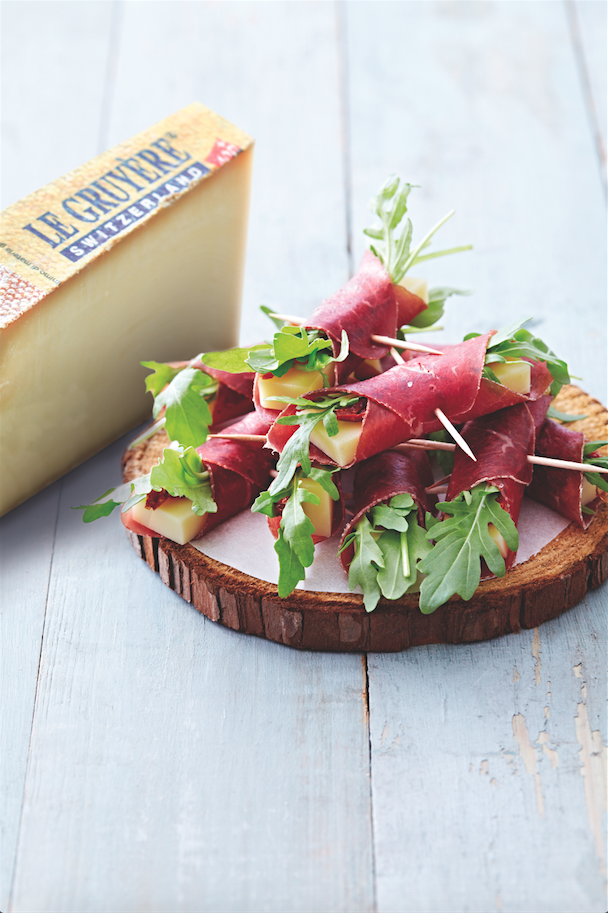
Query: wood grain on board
x=173, y=764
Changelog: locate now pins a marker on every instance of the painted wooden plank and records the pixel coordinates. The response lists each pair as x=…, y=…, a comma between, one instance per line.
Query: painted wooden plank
x=27, y=537
x=588, y=21
x=175, y=764
x=50, y=124
x=487, y=771
x=54, y=62
x=482, y=105
x=273, y=70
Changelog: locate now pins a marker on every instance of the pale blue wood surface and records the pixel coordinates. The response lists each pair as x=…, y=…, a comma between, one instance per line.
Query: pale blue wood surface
x=155, y=761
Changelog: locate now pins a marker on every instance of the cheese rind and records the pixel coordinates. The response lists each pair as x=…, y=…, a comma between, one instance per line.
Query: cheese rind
x=165, y=288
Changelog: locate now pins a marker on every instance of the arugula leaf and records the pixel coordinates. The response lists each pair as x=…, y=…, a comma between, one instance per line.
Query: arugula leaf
x=514, y=343
x=368, y=558
x=233, y=361
x=390, y=205
x=182, y=474
x=296, y=449
x=389, y=545
x=600, y=480
x=162, y=374
x=187, y=415
x=128, y=494
x=552, y=412
x=462, y=539
x=445, y=458
x=294, y=545
x=434, y=311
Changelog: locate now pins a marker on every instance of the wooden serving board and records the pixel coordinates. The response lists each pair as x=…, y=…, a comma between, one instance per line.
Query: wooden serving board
x=541, y=588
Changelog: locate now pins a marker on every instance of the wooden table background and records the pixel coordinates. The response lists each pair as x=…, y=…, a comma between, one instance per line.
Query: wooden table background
x=154, y=761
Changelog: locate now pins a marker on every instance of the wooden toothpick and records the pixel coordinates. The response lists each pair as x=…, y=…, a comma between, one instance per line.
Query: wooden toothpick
x=259, y=438
x=449, y=427
x=422, y=444
x=403, y=344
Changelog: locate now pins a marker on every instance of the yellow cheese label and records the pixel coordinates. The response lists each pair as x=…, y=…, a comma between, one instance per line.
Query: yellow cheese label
x=55, y=232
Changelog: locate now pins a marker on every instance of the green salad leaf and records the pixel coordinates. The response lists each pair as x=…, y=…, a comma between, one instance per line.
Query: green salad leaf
x=461, y=540
x=600, y=480
x=513, y=343
x=395, y=250
x=128, y=494
x=294, y=545
x=388, y=547
x=434, y=311
x=182, y=474
x=185, y=399
x=552, y=412
x=308, y=350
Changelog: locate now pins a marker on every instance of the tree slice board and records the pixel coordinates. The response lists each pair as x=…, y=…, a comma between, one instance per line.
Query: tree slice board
x=541, y=588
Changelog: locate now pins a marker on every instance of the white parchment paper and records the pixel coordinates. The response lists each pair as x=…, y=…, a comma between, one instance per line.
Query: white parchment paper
x=245, y=543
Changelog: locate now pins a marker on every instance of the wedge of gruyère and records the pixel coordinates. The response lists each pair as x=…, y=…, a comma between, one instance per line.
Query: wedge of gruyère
x=136, y=255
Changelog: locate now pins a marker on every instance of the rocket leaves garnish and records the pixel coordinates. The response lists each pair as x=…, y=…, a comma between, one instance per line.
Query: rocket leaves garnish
x=515, y=343
x=128, y=494
x=461, y=541
x=183, y=474
x=388, y=546
x=307, y=350
x=395, y=252
x=596, y=478
x=294, y=545
x=310, y=413
x=552, y=412
x=184, y=393
x=434, y=311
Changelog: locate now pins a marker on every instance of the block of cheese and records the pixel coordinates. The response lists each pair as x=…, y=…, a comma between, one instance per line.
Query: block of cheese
x=136, y=255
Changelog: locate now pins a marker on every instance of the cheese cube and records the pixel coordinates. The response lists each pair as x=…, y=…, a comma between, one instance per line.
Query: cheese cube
x=416, y=287
x=174, y=519
x=137, y=255
x=294, y=383
x=589, y=492
x=513, y=374
x=343, y=446
x=321, y=514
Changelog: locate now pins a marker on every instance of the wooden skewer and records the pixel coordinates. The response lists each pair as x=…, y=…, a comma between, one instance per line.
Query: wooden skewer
x=449, y=427
x=402, y=344
x=259, y=438
x=565, y=464
x=382, y=340
x=436, y=490
x=421, y=444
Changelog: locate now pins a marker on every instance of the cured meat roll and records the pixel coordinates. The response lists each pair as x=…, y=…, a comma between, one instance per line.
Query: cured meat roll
x=395, y=406
x=381, y=478
x=563, y=490
x=366, y=305
x=501, y=443
x=238, y=471
x=327, y=516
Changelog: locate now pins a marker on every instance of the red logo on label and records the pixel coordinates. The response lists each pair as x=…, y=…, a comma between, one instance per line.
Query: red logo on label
x=222, y=152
